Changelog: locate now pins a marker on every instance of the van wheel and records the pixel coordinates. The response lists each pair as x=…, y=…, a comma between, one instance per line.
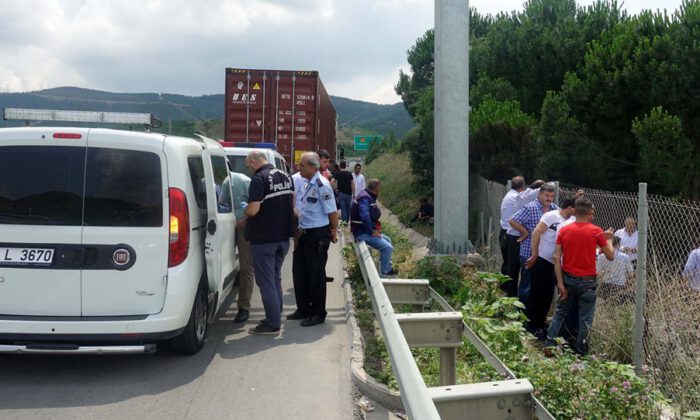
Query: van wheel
x=191, y=340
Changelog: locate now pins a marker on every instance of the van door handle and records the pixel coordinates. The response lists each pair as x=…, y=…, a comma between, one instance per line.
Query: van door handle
x=211, y=227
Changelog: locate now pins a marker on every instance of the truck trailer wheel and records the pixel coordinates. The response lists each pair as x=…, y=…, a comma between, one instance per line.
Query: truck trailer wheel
x=191, y=340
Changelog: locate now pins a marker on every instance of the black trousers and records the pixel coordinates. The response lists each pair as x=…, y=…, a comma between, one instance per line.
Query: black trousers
x=541, y=293
x=309, y=271
x=512, y=266
x=504, y=251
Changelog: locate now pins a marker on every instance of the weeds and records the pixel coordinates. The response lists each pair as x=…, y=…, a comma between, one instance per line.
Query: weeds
x=569, y=386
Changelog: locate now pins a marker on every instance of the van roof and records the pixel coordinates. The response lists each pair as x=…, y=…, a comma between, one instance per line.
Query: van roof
x=143, y=136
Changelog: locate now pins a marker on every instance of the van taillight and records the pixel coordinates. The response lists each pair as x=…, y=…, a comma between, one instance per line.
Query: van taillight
x=179, y=227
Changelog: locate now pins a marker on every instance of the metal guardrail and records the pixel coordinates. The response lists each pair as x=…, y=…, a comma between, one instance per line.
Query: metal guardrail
x=540, y=411
x=510, y=399
x=414, y=392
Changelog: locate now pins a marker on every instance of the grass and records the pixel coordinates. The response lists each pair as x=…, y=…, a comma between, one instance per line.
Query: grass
x=398, y=192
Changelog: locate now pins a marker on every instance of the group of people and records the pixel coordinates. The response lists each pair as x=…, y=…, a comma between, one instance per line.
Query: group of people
x=278, y=207
x=546, y=246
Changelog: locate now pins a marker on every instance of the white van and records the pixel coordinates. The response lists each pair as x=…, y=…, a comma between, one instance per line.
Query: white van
x=237, y=156
x=111, y=241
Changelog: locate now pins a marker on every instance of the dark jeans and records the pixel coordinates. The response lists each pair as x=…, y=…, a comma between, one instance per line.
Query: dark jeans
x=525, y=282
x=267, y=263
x=541, y=293
x=512, y=270
x=345, y=200
x=581, y=289
x=309, y=271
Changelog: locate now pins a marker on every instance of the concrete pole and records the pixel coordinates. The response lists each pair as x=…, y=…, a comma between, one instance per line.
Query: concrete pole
x=641, y=278
x=451, y=126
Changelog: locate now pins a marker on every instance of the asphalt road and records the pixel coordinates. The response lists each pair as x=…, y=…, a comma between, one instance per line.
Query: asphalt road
x=302, y=374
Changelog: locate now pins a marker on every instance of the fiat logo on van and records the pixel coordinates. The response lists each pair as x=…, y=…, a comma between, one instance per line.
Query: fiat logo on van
x=121, y=257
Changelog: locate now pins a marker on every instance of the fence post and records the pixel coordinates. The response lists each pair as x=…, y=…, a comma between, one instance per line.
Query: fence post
x=641, y=277
x=556, y=192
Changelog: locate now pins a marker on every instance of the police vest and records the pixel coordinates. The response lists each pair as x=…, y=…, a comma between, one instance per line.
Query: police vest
x=274, y=222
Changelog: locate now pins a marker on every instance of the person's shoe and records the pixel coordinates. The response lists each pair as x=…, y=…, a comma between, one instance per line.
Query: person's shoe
x=550, y=342
x=390, y=273
x=296, y=315
x=264, y=329
x=541, y=334
x=241, y=316
x=329, y=279
x=313, y=320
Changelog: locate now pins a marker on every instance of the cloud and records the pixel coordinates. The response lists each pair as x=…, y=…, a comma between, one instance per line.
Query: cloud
x=183, y=46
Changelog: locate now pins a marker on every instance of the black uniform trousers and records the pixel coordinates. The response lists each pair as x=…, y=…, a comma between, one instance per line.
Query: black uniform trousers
x=309, y=271
x=512, y=267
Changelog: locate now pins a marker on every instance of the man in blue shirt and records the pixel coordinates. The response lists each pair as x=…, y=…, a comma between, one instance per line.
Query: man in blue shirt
x=246, y=278
x=524, y=221
x=318, y=227
x=365, y=226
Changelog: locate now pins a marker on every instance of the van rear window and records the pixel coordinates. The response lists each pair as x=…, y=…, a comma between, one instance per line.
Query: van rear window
x=237, y=164
x=123, y=188
x=41, y=185
x=46, y=185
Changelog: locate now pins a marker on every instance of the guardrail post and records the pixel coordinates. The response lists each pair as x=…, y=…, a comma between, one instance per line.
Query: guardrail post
x=448, y=366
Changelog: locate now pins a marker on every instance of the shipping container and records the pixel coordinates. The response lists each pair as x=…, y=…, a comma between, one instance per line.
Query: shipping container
x=288, y=108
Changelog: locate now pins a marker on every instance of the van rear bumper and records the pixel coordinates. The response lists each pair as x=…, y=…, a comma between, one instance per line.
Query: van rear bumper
x=60, y=340
x=76, y=349
x=90, y=329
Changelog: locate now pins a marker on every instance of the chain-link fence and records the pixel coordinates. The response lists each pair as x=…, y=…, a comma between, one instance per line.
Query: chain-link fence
x=671, y=330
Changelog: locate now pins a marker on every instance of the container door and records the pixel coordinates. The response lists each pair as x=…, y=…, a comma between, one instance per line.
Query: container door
x=125, y=236
x=41, y=190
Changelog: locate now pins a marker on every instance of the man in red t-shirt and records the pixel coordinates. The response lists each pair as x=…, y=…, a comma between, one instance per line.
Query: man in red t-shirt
x=575, y=269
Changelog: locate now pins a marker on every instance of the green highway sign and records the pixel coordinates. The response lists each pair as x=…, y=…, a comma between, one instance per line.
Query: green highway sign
x=363, y=142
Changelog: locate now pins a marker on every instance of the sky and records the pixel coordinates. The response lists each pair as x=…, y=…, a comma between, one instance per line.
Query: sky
x=184, y=46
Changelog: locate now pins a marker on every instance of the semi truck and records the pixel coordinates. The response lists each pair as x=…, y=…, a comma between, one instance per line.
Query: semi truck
x=290, y=109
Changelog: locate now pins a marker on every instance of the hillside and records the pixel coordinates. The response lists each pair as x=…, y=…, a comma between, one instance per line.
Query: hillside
x=373, y=118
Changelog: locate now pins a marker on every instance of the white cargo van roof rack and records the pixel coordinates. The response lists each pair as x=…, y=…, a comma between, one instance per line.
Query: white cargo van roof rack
x=28, y=114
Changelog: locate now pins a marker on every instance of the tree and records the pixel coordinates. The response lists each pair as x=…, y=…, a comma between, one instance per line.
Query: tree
x=563, y=150
x=500, y=140
x=666, y=159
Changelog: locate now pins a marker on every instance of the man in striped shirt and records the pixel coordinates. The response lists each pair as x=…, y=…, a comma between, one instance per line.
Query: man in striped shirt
x=525, y=221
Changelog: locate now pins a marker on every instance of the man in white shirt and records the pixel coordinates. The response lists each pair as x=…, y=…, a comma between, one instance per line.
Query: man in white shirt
x=615, y=275
x=513, y=201
x=541, y=262
x=628, y=238
x=359, y=180
x=692, y=269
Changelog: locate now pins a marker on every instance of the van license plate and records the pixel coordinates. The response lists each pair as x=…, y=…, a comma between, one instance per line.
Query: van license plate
x=26, y=256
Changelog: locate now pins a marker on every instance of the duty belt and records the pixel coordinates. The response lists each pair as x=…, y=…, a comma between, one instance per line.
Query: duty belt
x=308, y=230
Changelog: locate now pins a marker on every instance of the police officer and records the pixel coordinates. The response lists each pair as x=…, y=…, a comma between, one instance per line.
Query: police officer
x=270, y=213
x=318, y=225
